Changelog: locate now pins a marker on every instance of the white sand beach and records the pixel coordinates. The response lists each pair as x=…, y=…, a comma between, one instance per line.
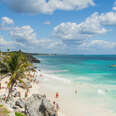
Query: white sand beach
x=70, y=103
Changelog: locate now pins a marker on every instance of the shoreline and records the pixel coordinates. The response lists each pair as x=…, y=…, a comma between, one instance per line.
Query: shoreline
x=72, y=104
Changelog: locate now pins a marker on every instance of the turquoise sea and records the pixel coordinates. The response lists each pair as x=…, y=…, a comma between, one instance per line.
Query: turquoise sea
x=92, y=71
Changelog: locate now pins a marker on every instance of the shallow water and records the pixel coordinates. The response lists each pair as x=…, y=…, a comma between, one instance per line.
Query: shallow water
x=91, y=75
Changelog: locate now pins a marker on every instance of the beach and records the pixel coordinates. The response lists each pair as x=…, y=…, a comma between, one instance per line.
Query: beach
x=95, y=91
x=69, y=102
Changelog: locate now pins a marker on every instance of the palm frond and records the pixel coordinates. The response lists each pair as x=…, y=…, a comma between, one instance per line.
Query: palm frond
x=23, y=83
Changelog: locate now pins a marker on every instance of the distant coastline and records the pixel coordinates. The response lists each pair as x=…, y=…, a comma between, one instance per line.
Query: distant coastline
x=41, y=54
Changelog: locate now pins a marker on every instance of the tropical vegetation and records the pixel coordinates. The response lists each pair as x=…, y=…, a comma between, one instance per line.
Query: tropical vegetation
x=14, y=64
x=19, y=114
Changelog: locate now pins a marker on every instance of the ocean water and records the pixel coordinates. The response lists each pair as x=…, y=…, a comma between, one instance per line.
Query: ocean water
x=92, y=75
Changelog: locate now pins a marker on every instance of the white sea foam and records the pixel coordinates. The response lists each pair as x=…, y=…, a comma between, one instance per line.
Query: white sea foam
x=83, y=78
x=100, y=91
x=55, y=71
x=52, y=76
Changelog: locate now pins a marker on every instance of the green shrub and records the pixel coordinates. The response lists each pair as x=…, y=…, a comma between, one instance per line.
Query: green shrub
x=19, y=114
x=1, y=105
x=3, y=111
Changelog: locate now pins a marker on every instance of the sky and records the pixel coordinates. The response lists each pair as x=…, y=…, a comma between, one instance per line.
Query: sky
x=58, y=26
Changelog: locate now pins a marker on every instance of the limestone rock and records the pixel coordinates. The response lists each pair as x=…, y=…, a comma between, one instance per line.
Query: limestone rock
x=37, y=105
x=20, y=103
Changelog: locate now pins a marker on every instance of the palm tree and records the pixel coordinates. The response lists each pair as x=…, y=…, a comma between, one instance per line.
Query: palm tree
x=8, y=50
x=0, y=51
x=15, y=64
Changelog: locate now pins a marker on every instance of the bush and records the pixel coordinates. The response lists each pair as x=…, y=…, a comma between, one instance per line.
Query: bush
x=3, y=111
x=19, y=114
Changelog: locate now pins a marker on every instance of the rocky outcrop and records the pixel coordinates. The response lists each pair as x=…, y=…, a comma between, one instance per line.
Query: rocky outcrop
x=20, y=103
x=37, y=105
x=31, y=58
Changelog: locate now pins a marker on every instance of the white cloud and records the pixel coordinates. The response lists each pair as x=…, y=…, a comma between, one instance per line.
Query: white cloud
x=84, y=30
x=3, y=42
x=23, y=34
x=6, y=23
x=108, y=18
x=68, y=31
x=9, y=44
x=114, y=6
x=27, y=36
x=42, y=6
x=93, y=25
x=49, y=44
x=7, y=20
x=73, y=35
x=99, y=44
x=47, y=23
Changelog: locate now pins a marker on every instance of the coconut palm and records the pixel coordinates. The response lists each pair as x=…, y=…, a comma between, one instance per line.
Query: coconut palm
x=8, y=50
x=15, y=64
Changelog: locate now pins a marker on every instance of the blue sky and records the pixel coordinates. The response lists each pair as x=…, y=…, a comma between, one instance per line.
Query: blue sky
x=58, y=26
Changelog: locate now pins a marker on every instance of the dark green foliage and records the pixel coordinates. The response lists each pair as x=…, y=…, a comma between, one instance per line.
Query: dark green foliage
x=19, y=114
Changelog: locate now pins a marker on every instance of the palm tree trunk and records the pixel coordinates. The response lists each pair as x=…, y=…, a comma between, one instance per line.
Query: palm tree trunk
x=9, y=92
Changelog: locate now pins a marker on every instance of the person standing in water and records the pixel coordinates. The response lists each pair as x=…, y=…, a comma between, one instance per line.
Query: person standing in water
x=57, y=94
x=75, y=91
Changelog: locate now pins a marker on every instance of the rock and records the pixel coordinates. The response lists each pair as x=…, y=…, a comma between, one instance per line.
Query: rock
x=20, y=103
x=12, y=113
x=31, y=58
x=46, y=103
x=17, y=94
x=37, y=105
x=11, y=102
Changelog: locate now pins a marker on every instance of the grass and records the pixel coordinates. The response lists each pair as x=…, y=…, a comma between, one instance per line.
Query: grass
x=1, y=105
x=19, y=114
x=3, y=111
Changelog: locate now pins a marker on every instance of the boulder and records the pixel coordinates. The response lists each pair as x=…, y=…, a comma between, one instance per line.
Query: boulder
x=31, y=58
x=20, y=103
x=37, y=105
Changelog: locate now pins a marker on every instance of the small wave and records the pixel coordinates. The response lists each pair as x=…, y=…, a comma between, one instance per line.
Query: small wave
x=41, y=59
x=55, y=71
x=51, y=76
x=100, y=91
x=83, y=78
